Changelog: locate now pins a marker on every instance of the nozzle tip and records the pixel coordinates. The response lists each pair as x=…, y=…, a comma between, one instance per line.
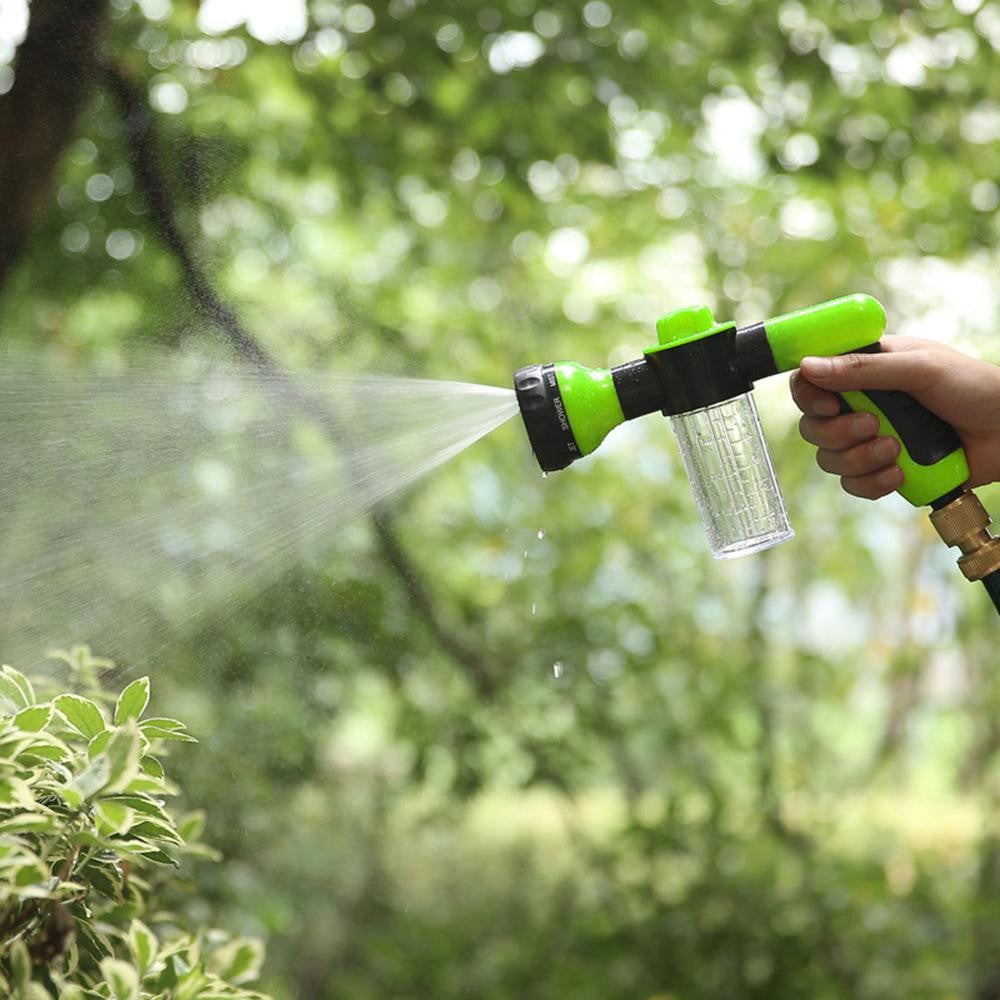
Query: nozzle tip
x=544, y=416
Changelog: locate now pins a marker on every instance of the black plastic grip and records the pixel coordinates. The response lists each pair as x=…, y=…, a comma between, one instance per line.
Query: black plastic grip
x=926, y=437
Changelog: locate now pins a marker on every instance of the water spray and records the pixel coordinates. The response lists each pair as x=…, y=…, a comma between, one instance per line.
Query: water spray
x=701, y=374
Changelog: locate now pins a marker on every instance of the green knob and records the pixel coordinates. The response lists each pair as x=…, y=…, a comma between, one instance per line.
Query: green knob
x=684, y=325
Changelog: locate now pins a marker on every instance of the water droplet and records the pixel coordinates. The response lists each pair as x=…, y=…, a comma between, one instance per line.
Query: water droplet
x=534, y=608
x=545, y=475
x=525, y=554
x=541, y=534
x=557, y=669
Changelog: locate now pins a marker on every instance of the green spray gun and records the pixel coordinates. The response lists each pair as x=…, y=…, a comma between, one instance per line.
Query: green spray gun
x=701, y=373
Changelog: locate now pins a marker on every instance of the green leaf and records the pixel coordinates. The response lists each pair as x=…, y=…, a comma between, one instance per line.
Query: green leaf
x=113, y=770
x=15, y=792
x=82, y=714
x=15, y=852
x=202, y=851
x=88, y=782
x=93, y=941
x=121, y=978
x=166, y=729
x=132, y=701
x=123, y=752
x=27, y=822
x=30, y=874
x=161, y=723
x=150, y=765
x=152, y=830
x=20, y=966
x=15, y=689
x=12, y=742
x=47, y=748
x=143, y=945
x=98, y=744
x=142, y=804
x=23, y=684
x=33, y=720
x=239, y=961
x=115, y=816
x=175, y=969
x=160, y=857
x=106, y=879
x=191, y=825
x=147, y=785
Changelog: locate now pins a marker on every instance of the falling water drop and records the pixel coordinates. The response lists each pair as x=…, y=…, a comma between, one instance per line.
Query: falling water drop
x=541, y=534
x=534, y=608
x=557, y=669
x=545, y=475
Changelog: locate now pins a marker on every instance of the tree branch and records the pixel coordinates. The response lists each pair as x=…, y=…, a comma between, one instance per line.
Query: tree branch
x=139, y=132
x=53, y=73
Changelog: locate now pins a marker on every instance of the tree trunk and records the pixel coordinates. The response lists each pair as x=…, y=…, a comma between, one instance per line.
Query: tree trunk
x=53, y=74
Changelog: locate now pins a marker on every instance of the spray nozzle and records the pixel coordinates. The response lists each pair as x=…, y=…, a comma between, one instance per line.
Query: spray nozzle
x=567, y=410
x=700, y=374
x=697, y=362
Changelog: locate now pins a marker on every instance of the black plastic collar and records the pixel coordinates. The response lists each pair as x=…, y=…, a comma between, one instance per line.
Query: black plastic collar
x=699, y=373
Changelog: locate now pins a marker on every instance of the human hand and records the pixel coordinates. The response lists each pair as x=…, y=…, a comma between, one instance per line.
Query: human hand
x=961, y=390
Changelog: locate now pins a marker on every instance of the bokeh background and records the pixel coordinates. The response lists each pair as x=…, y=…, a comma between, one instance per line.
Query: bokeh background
x=770, y=778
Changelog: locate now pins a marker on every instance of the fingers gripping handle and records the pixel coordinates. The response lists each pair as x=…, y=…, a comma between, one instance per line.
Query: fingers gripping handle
x=931, y=454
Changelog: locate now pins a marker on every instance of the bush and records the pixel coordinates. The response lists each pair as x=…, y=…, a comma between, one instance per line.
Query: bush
x=88, y=846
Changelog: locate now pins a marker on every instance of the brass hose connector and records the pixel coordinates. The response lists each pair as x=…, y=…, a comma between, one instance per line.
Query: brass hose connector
x=964, y=523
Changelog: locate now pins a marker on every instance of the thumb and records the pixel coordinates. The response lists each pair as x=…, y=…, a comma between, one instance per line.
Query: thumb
x=908, y=371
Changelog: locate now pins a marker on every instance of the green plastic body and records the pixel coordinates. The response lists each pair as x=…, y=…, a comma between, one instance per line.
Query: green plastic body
x=591, y=402
x=837, y=327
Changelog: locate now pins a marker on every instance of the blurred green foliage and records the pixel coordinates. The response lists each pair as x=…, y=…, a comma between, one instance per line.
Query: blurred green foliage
x=771, y=778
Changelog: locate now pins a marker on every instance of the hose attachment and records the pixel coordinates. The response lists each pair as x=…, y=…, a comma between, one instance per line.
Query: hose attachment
x=964, y=524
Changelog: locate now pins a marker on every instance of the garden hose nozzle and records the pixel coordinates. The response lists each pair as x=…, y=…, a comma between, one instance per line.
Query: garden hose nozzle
x=700, y=374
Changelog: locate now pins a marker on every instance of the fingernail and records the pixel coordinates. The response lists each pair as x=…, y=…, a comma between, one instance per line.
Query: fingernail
x=891, y=477
x=817, y=367
x=864, y=425
x=885, y=449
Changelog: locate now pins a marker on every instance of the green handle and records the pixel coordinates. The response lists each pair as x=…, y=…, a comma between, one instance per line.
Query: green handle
x=931, y=454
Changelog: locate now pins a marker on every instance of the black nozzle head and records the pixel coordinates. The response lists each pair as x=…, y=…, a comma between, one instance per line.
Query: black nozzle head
x=544, y=415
